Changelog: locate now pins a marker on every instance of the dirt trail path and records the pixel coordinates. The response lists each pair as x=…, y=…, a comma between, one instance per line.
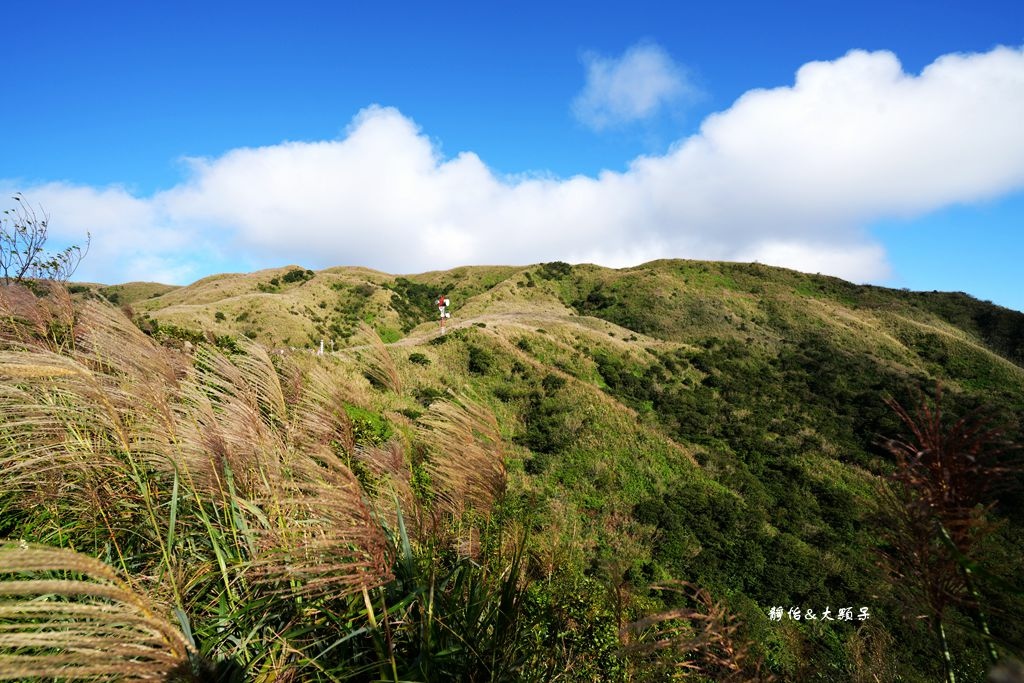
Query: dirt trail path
x=524, y=320
x=527, y=321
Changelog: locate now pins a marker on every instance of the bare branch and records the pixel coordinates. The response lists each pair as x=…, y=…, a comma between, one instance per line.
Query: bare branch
x=23, y=235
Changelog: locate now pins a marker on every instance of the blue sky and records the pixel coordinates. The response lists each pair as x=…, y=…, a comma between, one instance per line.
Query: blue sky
x=191, y=139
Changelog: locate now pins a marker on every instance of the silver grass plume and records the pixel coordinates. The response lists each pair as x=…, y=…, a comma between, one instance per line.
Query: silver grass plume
x=376, y=361
x=467, y=463
x=91, y=627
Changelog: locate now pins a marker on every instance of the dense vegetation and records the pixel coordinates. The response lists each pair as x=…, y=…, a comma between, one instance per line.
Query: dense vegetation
x=601, y=475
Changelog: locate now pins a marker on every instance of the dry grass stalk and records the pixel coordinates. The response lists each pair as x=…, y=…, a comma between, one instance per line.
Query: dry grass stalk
x=704, y=638
x=76, y=438
x=377, y=364
x=315, y=534
x=955, y=467
x=940, y=495
x=102, y=438
x=319, y=416
x=915, y=557
x=41, y=322
x=389, y=465
x=326, y=541
x=385, y=461
x=109, y=342
x=18, y=367
x=230, y=418
x=111, y=378
x=870, y=651
x=54, y=434
x=97, y=627
x=468, y=461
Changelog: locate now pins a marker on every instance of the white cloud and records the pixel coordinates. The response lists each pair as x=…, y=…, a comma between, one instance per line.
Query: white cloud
x=866, y=260
x=633, y=87
x=789, y=176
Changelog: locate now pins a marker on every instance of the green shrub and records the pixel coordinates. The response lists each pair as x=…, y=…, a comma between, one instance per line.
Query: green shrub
x=414, y=302
x=297, y=275
x=481, y=360
x=570, y=615
x=552, y=383
x=554, y=270
x=388, y=335
x=368, y=428
x=546, y=431
x=419, y=358
x=364, y=290
x=427, y=395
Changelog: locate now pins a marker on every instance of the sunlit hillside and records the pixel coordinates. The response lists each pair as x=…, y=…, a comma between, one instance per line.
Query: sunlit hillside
x=597, y=474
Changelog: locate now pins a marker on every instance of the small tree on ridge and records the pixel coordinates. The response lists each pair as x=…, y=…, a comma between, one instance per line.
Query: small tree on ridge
x=23, y=234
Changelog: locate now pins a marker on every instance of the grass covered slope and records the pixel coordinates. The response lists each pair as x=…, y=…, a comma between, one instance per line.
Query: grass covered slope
x=670, y=300
x=718, y=424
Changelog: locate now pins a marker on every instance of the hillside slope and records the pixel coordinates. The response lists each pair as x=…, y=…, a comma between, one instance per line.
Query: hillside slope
x=948, y=335
x=707, y=422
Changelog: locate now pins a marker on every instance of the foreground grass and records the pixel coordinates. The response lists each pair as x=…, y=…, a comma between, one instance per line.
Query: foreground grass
x=223, y=515
x=508, y=502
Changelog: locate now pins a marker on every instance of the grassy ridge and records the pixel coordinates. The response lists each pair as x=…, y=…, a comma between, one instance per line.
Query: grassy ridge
x=713, y=423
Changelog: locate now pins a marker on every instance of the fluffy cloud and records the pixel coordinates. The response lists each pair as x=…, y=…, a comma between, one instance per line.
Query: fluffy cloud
x=633, y=87
x=132, y=239
x=788, y=176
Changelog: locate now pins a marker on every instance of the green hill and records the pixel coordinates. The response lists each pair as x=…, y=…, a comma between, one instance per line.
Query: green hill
x=712, y=423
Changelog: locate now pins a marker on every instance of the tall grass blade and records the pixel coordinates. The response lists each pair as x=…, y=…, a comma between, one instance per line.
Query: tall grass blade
x=377, y=363
x=467, y=462
x=76, y=628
